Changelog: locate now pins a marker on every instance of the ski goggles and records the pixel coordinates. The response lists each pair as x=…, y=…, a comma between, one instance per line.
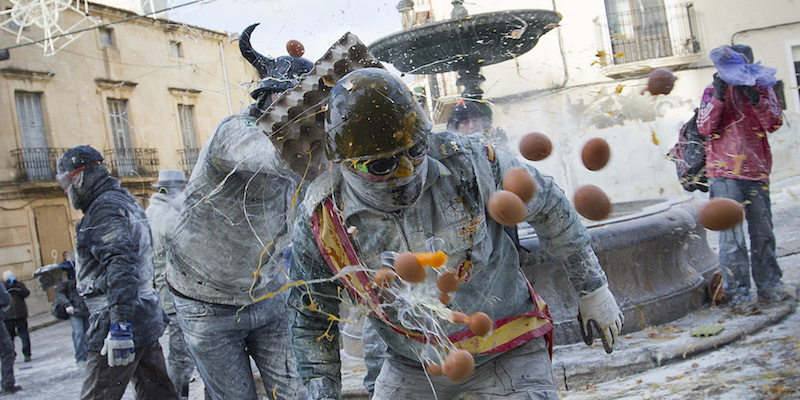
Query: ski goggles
x=64, y=179
x=385, y=166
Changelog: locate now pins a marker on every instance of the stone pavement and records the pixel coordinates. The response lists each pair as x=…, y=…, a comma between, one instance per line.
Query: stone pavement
x=577, y=365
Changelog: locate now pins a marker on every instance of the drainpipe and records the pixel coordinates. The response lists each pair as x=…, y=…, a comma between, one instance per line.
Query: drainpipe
x=225, y=77
x=733, y=37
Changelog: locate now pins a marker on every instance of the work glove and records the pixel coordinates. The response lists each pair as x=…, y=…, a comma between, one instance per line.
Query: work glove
x=752, y=94
x=598, y=311
x=119, y=344
x=70, y=310
x=719, y=87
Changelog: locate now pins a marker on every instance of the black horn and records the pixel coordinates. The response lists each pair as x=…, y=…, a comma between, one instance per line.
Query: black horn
x=259, y=61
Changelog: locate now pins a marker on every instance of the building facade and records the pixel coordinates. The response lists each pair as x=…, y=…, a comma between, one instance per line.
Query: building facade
x=145, y=92
x=585, y=79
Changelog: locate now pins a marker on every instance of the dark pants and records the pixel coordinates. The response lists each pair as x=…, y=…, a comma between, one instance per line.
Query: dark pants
x=733, y=255
x=148, y=372
x=7, y=358
x=19, y=327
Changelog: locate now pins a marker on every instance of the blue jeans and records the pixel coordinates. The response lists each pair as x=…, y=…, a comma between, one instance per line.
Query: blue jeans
x=222, y=339
x=179, y=363
x=79, y=327
x=733, y=255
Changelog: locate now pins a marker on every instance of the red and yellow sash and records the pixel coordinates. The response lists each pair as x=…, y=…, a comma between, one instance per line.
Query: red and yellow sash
x=338, y=251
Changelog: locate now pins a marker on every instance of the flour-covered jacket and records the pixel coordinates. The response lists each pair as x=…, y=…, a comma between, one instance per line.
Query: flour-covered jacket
x=114, y=265
x=462, y=173
x=162, y=213
x=234, y=218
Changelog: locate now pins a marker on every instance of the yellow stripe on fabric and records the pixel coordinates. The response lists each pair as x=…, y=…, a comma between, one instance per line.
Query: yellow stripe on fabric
x=501, y=335
x=335, y=250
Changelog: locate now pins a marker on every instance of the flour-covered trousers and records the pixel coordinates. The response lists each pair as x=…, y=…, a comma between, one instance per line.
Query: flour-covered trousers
x=522, y=373
x=180, y=364
x=222, y=339
x=733, y=257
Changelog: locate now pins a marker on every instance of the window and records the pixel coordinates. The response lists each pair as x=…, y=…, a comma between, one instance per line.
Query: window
x=175, y=49
x=189, y=153
x=120, y=133
x=639, y=30
x=106, y=36
x=35, y=154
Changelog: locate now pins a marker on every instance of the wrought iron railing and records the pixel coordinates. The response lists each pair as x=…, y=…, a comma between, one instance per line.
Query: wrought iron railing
x=188, y=158
x=132, y=161
x=36, y=164
x=648, y=33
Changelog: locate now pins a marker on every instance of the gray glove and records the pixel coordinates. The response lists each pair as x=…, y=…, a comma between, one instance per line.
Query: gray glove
x=719, y=87
x=70, y=310
x=752, y=94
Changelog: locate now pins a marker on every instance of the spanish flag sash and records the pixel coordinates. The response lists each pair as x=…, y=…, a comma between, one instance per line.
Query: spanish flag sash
x=338, y=251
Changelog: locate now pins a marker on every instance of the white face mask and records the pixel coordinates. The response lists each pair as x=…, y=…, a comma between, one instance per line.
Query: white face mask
x=392, y=194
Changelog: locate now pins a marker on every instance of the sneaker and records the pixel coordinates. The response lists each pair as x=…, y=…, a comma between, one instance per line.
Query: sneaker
x=777, y=294
x=81, y=364
x=747, y=308
x=28, y=358
x=742, y=304
x=10, y=390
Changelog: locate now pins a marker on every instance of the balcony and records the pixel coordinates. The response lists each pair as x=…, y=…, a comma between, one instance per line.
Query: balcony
x=631, y=42
x=188, y=158
x=36, y=164
x=132, y=162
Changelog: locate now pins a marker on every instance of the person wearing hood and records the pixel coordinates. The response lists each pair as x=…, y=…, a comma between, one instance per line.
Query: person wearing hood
x=115, y=278
x=7, y=354
x=408, y=190
x=738, y=109
x=16, y=317
x=67, y=297
x=225, y=258
x=162, y=214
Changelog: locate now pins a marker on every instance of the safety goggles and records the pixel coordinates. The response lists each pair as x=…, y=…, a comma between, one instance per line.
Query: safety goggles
x=385, y=166
x=64, y=179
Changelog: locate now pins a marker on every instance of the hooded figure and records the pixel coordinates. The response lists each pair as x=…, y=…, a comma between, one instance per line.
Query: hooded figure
x=163, y=213
x=737, y=112
x=114, y=276
x=16, y=317
x=226, y=249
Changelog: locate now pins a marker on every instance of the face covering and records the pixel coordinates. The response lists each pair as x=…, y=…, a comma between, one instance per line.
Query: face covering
x=72, y=191
x=391, y=195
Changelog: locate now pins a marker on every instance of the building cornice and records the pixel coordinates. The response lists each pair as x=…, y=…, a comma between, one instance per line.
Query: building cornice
x=22, y=74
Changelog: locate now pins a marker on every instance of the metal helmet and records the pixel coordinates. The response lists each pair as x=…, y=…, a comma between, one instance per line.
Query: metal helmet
x=372, y=114
x=277, y=74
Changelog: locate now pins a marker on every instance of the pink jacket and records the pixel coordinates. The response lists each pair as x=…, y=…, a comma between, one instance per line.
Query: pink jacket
x=737, y=131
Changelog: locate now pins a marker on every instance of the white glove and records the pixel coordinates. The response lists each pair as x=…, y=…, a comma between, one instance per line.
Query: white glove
x=598, y=309
x=70, y=310
x=119, y=345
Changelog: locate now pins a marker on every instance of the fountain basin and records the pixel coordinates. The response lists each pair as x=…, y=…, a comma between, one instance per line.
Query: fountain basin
x=655, y=255
x=466, y=43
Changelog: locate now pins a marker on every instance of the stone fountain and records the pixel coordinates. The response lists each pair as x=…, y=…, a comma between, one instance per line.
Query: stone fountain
x=465, y=44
